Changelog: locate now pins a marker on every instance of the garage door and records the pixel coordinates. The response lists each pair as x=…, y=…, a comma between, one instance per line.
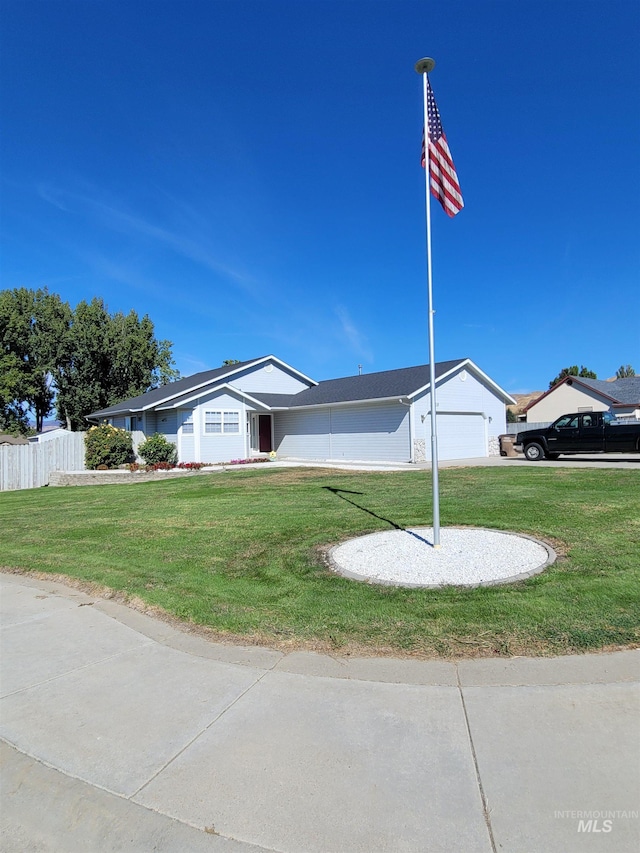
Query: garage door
x=459, y=436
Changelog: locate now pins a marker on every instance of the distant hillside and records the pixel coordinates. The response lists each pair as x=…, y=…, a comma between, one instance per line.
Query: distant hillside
x=523, y=400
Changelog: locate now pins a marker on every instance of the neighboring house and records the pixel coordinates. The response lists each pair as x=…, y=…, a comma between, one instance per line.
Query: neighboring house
x=575, y=394
x=48, y=434
x=263, y=405
x=7, y=440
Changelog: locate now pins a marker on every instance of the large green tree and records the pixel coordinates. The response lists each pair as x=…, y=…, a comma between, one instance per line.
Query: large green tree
x=574, y=370
x=33, y=327
x=108, y=358
x=80, y=360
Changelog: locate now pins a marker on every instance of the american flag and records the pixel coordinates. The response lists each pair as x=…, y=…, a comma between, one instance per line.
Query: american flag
x=444, y=180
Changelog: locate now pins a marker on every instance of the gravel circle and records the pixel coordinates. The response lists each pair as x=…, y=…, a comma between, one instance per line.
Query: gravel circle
x=466, y=557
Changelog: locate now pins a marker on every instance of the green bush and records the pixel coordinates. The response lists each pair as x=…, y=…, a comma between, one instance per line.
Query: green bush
x=107, y=446
x=157, y=449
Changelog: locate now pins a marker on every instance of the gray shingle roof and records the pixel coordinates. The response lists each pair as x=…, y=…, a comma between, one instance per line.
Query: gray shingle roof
x=623, y=391
x=368, y=386
x=173, y=389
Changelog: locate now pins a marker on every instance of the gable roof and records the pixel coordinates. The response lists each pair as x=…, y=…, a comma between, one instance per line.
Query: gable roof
x=403, y=382
x=406, y=382
x=620, y=392
x=186, y=385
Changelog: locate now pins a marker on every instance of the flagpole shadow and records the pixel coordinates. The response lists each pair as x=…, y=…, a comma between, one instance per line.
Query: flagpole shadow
x=340, y=493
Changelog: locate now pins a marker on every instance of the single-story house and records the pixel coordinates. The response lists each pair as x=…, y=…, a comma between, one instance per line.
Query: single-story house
x=49, y=434
x=252, y=408
x=8, y=440
x=621, y=397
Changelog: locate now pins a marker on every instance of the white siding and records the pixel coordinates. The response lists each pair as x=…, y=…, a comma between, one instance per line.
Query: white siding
x=378, y=431
x=303, y=435
x=268, y=378
x=483, y=417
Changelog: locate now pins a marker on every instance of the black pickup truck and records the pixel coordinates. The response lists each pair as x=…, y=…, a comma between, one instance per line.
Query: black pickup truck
x=581, y=432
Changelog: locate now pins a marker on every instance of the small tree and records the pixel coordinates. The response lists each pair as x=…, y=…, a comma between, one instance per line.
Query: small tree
x=625, y=371
x=107, y=446
x=574, y=370
x=158, y=449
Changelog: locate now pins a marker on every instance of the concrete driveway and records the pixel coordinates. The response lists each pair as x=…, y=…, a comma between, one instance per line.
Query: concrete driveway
x=123, y=733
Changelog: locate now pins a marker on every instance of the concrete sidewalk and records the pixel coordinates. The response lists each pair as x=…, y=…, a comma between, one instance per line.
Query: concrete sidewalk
x=122, y=733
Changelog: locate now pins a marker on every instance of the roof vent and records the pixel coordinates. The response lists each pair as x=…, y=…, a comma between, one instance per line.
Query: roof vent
x=569, y=381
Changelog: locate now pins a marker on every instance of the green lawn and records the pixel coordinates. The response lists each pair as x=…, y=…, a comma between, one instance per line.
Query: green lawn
x=239, y=552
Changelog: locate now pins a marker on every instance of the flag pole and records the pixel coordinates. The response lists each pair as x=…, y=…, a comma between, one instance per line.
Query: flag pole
x=423, y=66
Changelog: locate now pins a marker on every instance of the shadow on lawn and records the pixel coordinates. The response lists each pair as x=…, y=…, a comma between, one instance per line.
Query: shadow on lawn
x=340, y=493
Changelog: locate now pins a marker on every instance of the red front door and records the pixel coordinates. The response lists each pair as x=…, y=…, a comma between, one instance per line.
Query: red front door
x=264, y=433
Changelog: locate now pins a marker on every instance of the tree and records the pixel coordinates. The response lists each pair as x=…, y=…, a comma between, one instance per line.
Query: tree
x=33, y=325
x=624, y=372
x=574, y=370
x=83, y=359
x=511, y=417
x=108, y=359
x=230, y=361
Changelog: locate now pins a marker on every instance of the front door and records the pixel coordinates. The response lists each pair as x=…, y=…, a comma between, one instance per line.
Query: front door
x=264, y=433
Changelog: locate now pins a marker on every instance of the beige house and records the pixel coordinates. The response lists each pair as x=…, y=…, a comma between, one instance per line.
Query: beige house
x=621, y=397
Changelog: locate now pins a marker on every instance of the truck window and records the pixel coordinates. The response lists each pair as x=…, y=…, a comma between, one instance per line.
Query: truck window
x=567, y=422
x=588, y=421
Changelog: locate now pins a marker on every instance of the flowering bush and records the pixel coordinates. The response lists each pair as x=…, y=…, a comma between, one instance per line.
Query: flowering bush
x=157, y=449
x=247, y=461
x=191, y=466
x=107, y=446
x=159, y=466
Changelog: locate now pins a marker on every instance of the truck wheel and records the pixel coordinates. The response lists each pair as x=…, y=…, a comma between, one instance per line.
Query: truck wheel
x=534, y=452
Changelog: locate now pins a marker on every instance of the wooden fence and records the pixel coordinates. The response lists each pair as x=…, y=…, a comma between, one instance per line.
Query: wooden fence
x=27, y=466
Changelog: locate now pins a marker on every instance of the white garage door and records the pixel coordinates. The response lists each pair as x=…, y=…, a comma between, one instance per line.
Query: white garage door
x=459, y=436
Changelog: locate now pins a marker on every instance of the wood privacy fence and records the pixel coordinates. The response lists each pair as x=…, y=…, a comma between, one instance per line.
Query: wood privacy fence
x=27, y=466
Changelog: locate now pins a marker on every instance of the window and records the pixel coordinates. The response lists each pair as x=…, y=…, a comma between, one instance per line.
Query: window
x=567, y=421
x=187, y=425
x=231, y=421
x=216, y=423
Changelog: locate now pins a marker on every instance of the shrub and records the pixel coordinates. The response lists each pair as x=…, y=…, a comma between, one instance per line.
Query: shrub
x=157, y=449
x=107, y=447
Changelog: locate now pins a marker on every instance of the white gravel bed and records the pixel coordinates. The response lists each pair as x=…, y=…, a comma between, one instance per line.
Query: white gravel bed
x=466, y=557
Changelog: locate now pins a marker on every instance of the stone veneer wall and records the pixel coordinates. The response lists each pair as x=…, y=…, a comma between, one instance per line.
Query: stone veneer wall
x=419, y=450
x=110, y=478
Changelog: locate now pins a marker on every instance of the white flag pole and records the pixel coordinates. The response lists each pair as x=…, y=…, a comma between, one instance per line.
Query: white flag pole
x=423, y=66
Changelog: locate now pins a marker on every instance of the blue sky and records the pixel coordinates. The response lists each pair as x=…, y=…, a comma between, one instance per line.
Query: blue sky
x=248, y=174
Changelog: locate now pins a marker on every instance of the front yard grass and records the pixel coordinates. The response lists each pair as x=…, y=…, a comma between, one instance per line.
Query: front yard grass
x=239, y=554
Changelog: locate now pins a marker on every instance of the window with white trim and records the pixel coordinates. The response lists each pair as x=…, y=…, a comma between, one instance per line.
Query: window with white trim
x=217, y=423
x=187, y=425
